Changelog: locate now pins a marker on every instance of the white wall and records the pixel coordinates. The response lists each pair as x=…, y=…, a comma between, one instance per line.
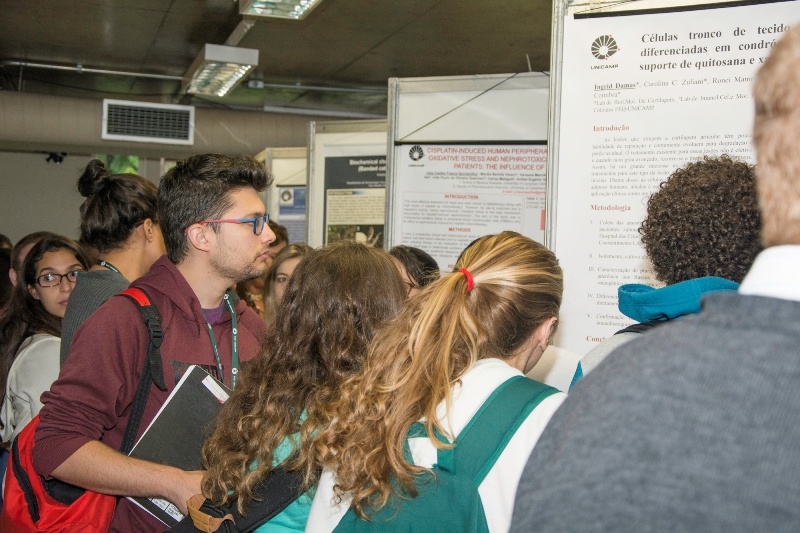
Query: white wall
x=36, y=195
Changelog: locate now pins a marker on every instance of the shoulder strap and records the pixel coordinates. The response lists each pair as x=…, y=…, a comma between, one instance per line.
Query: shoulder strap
x=487, y=434
x=643, y=326
x=152, y=370
x=270, y=496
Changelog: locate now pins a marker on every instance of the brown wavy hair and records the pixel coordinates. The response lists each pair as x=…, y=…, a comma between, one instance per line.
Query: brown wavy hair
x=415, y=361
x=704, y=221
x=776, y=128
x=338, y=296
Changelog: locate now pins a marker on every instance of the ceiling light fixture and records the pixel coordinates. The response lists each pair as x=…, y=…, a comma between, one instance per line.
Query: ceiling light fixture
x=287, y=9
x=218, y=69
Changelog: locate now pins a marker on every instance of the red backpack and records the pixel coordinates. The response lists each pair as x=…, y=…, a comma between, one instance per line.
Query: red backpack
x=32, y=503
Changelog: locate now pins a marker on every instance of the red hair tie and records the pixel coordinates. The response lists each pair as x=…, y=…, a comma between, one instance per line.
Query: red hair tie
x=470, y=281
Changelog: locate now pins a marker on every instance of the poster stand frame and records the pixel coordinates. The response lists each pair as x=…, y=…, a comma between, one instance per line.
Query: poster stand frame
x=343, y=129
x=410, y=124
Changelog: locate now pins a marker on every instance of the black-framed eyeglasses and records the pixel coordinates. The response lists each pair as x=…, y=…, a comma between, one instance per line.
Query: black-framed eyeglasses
x=54, y=280
x=257, y=222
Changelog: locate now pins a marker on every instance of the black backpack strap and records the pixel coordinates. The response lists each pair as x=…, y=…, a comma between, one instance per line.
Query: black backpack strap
x=270, y=496
x=152, y=319
x=152, y=370
x=643, y=326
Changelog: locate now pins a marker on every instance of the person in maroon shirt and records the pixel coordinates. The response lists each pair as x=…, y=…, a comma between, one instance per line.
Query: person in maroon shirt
x=215, y=231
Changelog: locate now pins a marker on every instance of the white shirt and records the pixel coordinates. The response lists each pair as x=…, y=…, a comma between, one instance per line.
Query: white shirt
x=775, y=274
x=499, y=488
x=34, y=369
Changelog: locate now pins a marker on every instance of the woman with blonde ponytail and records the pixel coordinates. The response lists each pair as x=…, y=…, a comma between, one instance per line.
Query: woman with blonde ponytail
x=437, y=363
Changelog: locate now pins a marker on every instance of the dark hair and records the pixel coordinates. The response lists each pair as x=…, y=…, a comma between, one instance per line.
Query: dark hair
x=421, y=267
x=5, y=242
x=704, y=221
x=16, y=251
x=115, y=205
x=281, y=234
x=27, y=316
x=336, y=299
x=197, y=189
x=6, y=287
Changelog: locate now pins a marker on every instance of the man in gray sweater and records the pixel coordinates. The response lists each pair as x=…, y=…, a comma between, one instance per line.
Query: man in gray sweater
x=696, y=425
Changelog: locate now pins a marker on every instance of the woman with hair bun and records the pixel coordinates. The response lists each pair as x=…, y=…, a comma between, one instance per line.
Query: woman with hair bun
x=119, y=224
x=435, y=366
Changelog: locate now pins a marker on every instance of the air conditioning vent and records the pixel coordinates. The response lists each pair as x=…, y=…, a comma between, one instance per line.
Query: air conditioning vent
x=144, y=122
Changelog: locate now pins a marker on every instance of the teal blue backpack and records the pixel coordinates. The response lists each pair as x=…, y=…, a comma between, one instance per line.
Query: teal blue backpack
x=448, y=498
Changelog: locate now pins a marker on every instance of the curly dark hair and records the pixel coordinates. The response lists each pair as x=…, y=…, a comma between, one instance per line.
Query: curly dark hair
x=704, y=221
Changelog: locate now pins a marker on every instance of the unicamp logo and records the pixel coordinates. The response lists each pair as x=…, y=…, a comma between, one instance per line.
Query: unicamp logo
x=604, y=47
x=416, y=153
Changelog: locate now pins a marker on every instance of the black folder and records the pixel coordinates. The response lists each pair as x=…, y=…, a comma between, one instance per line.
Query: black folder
x=176, y=434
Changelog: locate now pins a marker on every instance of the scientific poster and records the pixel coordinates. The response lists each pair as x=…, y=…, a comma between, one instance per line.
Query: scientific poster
x=292, y=212
x=355, y=196
x=451, y=194
x=642, y=95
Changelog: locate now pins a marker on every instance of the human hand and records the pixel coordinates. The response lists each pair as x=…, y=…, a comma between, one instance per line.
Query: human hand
x=187, y=484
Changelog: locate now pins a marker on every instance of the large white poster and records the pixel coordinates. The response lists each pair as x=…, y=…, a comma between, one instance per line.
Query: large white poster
x=643, y=94
x=452, y=194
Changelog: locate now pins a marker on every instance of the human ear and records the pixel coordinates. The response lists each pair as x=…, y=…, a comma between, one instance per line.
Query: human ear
x=545, y=332
x=32, y=291
x=147, y=227
x=200, y=237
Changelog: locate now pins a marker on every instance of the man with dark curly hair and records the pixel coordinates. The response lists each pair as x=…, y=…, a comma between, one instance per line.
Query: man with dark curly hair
x=695, y=425
x=701, y=234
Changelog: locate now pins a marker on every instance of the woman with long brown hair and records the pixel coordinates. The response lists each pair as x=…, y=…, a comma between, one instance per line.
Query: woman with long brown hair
x=30, y=334
x=337, y=297
x=437, y=363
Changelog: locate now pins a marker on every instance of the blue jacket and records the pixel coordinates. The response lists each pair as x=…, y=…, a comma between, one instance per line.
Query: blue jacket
x=643, y=303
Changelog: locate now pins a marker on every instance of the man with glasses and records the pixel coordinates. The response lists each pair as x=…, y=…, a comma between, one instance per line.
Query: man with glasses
x=216, y=234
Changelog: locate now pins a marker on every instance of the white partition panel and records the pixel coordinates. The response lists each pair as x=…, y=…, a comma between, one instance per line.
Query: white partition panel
x=347, y=179
x=467, y=157
x=640, y=89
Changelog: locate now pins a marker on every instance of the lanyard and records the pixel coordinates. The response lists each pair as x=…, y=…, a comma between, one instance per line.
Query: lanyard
x=107, y=265
x=234, y=344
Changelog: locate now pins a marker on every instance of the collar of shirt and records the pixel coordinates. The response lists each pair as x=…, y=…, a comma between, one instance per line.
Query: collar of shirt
x=214, y=315
x=775, y=274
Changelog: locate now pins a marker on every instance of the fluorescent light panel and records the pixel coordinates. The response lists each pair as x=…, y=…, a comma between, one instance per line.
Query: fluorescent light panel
x=287, y=9
x=218, y=69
